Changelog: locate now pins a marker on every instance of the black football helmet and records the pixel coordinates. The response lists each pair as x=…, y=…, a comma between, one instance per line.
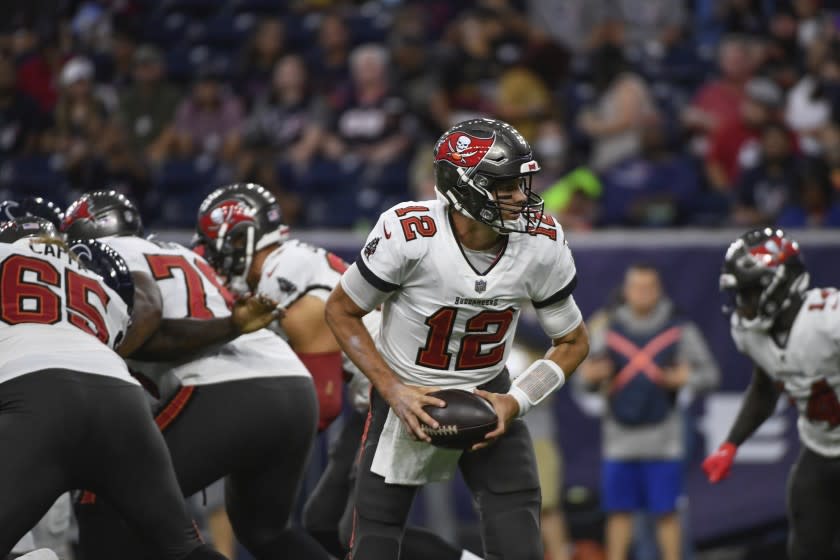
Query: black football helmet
x=27, y=226
x=101, y=213
x=103, y=260
x=473, y=158
x=763, y=272
x=31, y=206
x=234, y=222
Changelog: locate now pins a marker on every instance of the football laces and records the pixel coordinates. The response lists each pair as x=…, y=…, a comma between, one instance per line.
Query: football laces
x=448, y=430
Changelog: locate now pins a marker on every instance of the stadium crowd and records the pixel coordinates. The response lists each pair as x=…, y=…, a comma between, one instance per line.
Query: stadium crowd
x=643, y=113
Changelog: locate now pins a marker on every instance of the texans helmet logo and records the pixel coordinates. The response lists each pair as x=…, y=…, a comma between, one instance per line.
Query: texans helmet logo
x=464, y=150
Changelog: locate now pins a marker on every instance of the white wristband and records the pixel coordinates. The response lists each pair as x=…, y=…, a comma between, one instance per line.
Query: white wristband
x=541, y=379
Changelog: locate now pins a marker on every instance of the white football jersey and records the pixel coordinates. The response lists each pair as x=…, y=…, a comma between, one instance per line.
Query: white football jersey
x=190, y=289
x=447, y=324
x=54, y=313
x=296, y=269
x=808, y=366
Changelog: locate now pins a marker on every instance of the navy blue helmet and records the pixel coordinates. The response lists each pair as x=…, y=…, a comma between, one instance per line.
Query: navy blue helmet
x=31, y=206
x=26, y=226
x=107, y=263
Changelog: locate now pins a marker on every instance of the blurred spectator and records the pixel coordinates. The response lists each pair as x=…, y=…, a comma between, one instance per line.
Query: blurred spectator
x=810, y=101
x=80, y=121
x=623, y=106
x=471, y=69
x=260, y=56
x=830, y=141
x=550, y=148
x=121, y=58
x=329, y=60
x=21, y=121
x=580, y=25
x=148, y=106
x=574, y=199
x=369, y=129
x=814, y=207
x=717, y=103
x=643, y=356
x=733, y=147
x=414, y=74
x=209, y=120
x=39, y=61
x=523, y=100
x=649, y=26
x=122, y=168
x=743, y=16
x=285, y=127
x=774, y=183
x=653, y=189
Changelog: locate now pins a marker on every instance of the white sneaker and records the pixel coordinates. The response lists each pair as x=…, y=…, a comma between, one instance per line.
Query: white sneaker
x=40, y=554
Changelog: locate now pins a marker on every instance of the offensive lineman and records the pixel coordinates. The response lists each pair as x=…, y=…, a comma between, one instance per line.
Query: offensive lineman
x=241, y=232
x=73, y=416
x=246, y=409
x=452, y=275
x=792, y=335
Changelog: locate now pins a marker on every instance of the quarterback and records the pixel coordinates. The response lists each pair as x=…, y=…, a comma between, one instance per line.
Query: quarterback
x=452, y=275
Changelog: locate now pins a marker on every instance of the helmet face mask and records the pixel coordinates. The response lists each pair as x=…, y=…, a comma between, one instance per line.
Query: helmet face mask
x=763, y=274
x=477, y=163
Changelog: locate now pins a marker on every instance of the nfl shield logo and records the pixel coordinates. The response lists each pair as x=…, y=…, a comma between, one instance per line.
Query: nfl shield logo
x=480, y=285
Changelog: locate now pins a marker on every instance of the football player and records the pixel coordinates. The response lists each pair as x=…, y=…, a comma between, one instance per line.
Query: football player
x=246, y=409
x=452, y=275
x=55, y=527
x=792, y=335
x=31, y=206
x=70, y=413
x=241, y=232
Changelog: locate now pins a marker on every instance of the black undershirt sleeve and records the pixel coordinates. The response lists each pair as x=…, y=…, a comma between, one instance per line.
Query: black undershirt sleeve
x=758, y=405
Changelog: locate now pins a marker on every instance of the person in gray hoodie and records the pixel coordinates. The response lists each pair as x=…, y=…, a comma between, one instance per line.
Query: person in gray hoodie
x=643, y=354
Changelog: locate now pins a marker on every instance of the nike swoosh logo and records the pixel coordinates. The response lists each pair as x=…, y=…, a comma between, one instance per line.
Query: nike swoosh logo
x=387, y=234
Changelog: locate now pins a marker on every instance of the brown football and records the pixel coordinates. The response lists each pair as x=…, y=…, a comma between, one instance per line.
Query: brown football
x=464, y=421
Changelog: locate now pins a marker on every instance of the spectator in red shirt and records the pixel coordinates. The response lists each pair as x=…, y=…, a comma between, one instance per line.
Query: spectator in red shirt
x=717, y=103
x=734, y=146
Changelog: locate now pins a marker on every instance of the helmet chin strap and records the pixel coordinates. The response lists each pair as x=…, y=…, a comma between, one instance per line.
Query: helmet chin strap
x=502, y=227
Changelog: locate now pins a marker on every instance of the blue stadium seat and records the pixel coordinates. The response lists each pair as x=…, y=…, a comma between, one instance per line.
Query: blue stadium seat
x=179, y=65
x=37, y=175
x=195, y=8
x=226, y=31
x=180, y=210
x=259, y=6
x=186, y=175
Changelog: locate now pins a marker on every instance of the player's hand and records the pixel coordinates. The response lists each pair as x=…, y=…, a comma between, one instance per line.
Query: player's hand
x=507, y=409
x=676, y=377
x=407, y=402
x=717, y=465
x=254, y=313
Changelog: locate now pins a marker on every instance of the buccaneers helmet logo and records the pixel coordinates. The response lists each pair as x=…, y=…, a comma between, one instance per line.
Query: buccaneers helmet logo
x=230, y=212
x=464, y=150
